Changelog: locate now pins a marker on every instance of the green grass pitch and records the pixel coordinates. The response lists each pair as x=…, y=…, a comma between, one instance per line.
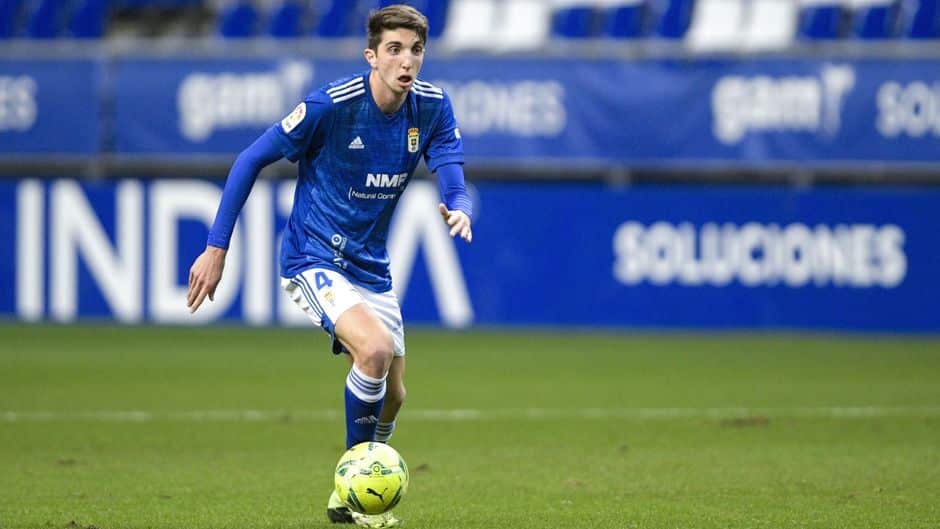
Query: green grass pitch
x=110, y=427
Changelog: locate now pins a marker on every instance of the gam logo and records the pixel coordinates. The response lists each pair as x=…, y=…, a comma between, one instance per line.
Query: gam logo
x=763, y=103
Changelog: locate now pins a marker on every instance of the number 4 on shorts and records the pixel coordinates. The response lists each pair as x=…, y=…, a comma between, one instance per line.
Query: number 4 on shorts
x=322, y=280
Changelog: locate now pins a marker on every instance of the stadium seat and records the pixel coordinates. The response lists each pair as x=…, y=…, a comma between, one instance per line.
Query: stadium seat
x=716, y=25
x=334, y=19
x=821, y=21
x=471, y=24
x=238, y=20
x=88, y=19
x=343, y=18
x=436, y=11
x=286, y=20
x=575, y=21
x=878, y=19
x=162, y=4
x=770, y=25
x=626, y=21
x=671, y=18
x=522, y=25
x=9, y=13
x=924, y=20
x=45, y=19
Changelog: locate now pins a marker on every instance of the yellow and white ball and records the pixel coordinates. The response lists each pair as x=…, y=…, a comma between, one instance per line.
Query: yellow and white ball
x=371, y=478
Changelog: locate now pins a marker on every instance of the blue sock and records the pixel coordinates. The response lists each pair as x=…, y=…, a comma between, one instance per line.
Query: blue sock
x=364, y=398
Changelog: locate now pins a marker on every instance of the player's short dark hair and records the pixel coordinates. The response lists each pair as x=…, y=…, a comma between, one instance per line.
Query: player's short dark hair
x=394, y=17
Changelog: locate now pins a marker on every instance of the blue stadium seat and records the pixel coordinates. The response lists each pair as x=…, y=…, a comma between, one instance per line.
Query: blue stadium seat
x=158, y=4
x=286, y=20
x=671, y=18
x=45, y=19
x=575, y=22
x=238, y=20
x=627, y=21
x=877, y=22
x=821, y=22
x=924, y=22
x=9, y=13
x=436, y=11
x=88, y=19
x=343, y=18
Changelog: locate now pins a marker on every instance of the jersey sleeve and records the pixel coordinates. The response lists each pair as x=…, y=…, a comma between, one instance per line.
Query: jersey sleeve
x=302, y=128
x=445, y=146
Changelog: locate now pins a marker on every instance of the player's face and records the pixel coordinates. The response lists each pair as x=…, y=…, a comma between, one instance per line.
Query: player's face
x=398, y=59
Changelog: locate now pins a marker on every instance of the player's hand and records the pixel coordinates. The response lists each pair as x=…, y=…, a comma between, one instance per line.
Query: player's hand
x=204, y=276
x=458, y=221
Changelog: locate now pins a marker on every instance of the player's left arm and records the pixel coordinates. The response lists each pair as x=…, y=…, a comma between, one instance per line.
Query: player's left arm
x=444, y=157
x=456, y=208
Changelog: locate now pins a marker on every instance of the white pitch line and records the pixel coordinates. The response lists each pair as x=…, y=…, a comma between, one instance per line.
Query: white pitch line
x=460, y=415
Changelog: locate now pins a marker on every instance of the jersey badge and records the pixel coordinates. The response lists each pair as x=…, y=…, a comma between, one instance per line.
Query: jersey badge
x=357, y=143
x=414, y=138
x=294, y=118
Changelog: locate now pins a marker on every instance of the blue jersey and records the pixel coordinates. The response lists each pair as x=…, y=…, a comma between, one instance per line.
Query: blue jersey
x=354, y=162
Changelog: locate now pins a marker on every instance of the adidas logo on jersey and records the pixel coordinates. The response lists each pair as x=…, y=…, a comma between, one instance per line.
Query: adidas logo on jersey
x=357, y=143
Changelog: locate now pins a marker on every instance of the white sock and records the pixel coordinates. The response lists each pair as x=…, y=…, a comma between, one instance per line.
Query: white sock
x=383, y=431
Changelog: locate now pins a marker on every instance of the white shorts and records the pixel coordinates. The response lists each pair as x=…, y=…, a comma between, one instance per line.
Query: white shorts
x=324, y=295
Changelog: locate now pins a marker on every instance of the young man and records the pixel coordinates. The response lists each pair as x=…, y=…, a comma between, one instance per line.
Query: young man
x=357, y=142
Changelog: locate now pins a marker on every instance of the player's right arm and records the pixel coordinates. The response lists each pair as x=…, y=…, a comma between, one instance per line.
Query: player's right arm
x=206, y=272
x=290, y=138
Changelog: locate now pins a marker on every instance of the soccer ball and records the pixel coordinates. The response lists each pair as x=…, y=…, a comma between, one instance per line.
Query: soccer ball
x=371, y=478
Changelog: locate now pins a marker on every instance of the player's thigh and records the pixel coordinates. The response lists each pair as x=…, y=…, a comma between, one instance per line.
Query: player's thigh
x=328, y=299
x=362, y=333
x=386, y=307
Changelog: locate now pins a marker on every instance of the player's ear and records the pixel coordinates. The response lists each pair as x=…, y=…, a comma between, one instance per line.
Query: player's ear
x=369, y=54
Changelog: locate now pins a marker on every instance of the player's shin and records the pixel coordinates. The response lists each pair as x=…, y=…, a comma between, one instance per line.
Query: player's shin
x=364, y=397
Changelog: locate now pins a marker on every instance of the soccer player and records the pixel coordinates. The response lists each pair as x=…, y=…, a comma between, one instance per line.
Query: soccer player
x=357, y=142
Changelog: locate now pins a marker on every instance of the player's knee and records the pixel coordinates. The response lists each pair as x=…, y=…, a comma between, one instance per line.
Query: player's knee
x=375, y=356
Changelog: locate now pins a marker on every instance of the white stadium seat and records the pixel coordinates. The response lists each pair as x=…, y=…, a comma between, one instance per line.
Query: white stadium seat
x=523, y=25
x=717, y=25
x=471, y=24
x=770, y=25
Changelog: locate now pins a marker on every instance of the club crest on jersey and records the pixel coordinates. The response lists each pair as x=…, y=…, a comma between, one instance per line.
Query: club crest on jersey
x=414, y=138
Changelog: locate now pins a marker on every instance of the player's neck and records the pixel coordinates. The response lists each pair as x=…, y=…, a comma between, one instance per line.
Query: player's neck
x=388, y=102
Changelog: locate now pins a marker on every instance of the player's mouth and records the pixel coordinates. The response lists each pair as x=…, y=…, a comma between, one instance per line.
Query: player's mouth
x=405, y=79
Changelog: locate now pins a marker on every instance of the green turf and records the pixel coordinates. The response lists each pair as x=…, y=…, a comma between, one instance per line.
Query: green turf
x=562, y=431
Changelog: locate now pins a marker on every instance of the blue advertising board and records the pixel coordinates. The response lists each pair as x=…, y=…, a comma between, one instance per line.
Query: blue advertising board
x=569, y=112
x=50, y=106
x=572, y=255
x=573, y=112
x=202, y=105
